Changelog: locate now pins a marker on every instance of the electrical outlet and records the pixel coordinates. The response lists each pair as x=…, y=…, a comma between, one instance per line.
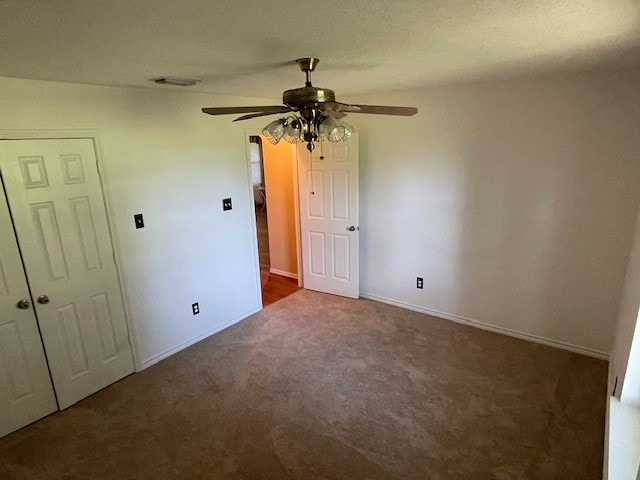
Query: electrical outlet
x=419, y=282
x=138, y=220
x=226, y=204
x=195, y=308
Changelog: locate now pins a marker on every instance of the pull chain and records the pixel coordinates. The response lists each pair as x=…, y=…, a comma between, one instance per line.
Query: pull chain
x=311, y=160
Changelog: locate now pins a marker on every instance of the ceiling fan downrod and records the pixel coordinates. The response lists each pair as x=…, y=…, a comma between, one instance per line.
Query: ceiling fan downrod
x=307, y=65
x=310, y=113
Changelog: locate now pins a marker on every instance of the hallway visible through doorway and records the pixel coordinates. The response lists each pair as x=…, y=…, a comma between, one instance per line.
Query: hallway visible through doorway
x=274, y=287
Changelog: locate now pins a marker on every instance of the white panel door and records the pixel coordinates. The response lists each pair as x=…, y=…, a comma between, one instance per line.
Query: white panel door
x=26, y=393
x=58, y=210
x=328, y=190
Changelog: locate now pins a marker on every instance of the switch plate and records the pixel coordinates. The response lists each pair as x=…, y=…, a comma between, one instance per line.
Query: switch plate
x=226, y=204
x=419, y=282
x=139, y=221
x=195, y=308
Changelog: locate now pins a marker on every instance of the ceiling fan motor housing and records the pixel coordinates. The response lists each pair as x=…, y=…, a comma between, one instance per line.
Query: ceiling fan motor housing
x=298, y=98
x=308, y=101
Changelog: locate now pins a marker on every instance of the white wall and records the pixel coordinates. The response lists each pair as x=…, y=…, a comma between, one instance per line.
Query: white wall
x=163, y=158
x=514, y=199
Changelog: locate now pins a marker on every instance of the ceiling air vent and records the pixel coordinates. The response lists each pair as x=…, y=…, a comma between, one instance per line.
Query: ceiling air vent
x=178, y=82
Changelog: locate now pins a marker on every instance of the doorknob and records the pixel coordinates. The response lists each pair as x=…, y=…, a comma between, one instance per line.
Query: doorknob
x=43, y=299
x=353, y=228
x=23, y=304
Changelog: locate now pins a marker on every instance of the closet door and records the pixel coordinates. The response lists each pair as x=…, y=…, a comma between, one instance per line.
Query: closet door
x=26, y=393
x=59, y=215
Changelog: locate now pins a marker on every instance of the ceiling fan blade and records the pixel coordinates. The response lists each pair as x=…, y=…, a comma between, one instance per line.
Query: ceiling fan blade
x=340, y=107
x=228, y=110
x=335, y=114
x=260, y=114
x=385, y=110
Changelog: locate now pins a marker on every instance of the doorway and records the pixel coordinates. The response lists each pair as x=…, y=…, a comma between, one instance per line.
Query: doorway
x=272, y=178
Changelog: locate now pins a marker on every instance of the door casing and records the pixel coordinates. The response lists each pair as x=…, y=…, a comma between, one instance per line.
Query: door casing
x=296, y=206
x=296, y=192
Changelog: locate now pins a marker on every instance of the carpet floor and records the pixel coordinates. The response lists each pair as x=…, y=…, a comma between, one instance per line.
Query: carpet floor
x=322, y=387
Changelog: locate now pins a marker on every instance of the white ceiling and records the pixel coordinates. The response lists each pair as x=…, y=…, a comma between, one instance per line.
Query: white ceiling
x=246, y=48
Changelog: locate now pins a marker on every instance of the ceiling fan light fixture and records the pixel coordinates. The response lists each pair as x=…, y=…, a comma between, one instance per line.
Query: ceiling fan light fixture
x=293, y=129
x=335, y=130
x=315, y=110
x=274, y=131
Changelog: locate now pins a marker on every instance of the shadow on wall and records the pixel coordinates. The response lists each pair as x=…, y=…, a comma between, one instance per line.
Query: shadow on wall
x=515, y=200
x=544, y=225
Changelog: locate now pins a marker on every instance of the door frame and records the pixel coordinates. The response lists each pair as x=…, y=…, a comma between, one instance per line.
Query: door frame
x=298, y=161
x=94, y=136
x=296, y=206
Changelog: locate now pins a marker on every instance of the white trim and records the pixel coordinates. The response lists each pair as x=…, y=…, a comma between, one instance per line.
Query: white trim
x=492, y=328
x=94, y=135
x=196, y=339
x=296, y=208
x=117, y=252
x=296, y=212
x=282, y=273
x=254, y=228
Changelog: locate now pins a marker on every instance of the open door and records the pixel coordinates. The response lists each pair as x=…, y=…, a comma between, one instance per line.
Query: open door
x=328, y=190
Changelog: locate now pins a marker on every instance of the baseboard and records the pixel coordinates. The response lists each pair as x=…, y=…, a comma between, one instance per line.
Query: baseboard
x=202, y=336
x=282, y=273
x=493, y=328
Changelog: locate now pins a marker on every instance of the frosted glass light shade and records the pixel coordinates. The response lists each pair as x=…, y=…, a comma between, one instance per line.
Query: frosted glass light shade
x=293, y=130
x=335, y=130
x=274, y=131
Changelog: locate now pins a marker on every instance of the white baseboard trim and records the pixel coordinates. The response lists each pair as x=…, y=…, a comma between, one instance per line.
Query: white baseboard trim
x=493, y=328
x=282, y=273
x=161, y=356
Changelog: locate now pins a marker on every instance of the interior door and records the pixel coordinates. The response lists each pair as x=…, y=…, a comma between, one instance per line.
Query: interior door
x=26, y=393
x=328, y=190
x=59, y=216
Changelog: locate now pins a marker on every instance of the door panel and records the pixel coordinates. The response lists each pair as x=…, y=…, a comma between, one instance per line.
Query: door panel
x=329, y=207
x=56, y=199
x=26, y=393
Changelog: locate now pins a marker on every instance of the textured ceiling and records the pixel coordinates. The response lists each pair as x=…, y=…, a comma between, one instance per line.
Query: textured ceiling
x=246, y=48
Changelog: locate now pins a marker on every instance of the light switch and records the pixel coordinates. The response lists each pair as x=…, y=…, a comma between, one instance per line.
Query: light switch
x=137, y=218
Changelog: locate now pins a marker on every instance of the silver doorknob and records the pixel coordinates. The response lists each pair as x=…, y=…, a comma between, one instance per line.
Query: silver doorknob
x=43, y=299
x=23, y=304
x=352, y=228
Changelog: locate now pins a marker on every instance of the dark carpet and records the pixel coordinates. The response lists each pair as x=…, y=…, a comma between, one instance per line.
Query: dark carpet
x=322, y=387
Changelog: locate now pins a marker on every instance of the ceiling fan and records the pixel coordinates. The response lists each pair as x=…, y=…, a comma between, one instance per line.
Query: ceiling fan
x=314, y=112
